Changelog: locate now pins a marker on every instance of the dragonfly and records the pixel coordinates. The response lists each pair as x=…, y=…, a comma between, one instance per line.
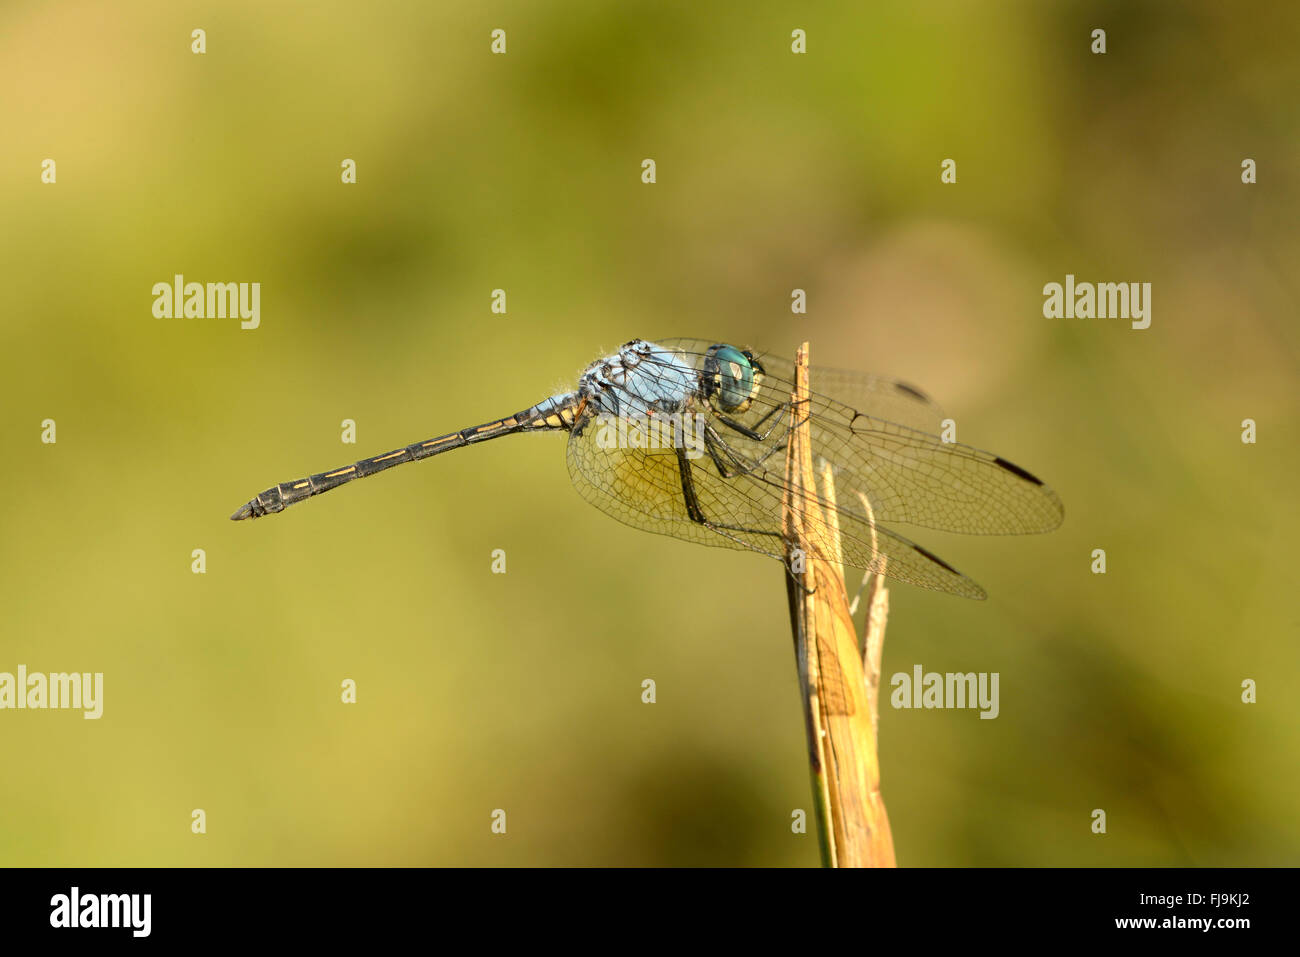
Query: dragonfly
x=687, y=438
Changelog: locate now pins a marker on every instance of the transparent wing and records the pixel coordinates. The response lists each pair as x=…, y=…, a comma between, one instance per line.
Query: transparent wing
x=887, y=399
x=906, y=471
x=643, y=488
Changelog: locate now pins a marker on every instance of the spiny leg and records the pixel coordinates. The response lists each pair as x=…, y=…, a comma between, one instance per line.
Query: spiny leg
x=752, y=432
x=696, y=513
x=713, y=442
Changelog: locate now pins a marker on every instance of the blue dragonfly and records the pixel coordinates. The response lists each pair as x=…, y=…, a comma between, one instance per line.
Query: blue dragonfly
x=686, y=437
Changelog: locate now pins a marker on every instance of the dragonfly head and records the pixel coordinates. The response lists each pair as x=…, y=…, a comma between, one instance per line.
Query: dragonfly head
x=731, y=378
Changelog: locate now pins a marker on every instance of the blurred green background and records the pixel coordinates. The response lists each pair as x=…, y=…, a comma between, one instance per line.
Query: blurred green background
x=775, y=171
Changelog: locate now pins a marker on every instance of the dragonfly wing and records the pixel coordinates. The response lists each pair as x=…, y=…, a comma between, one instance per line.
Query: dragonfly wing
x=643, y=488
x=917, y=479
x=908, y=474
x=885, y=398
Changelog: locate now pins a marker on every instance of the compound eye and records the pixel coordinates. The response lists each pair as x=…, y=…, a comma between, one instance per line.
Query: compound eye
x=731, y=377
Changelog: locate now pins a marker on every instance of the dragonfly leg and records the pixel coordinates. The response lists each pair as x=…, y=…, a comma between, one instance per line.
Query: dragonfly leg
x=713, y=442
x=752, y=432
x=696, y=513
x=709, y=445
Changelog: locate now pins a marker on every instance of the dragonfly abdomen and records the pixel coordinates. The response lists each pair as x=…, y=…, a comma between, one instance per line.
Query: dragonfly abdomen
x=555, y=414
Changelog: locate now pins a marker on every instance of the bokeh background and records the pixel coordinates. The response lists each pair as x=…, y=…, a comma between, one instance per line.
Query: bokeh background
x=775, y=171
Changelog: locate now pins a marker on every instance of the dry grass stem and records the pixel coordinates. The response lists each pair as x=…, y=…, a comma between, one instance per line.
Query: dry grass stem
x=839, y=698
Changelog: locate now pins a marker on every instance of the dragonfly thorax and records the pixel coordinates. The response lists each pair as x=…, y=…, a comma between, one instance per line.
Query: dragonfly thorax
x=641, y=379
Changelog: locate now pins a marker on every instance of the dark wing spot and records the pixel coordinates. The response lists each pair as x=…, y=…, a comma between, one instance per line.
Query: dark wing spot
x=914, y=392
x=936, y=559
x=1017, y=470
